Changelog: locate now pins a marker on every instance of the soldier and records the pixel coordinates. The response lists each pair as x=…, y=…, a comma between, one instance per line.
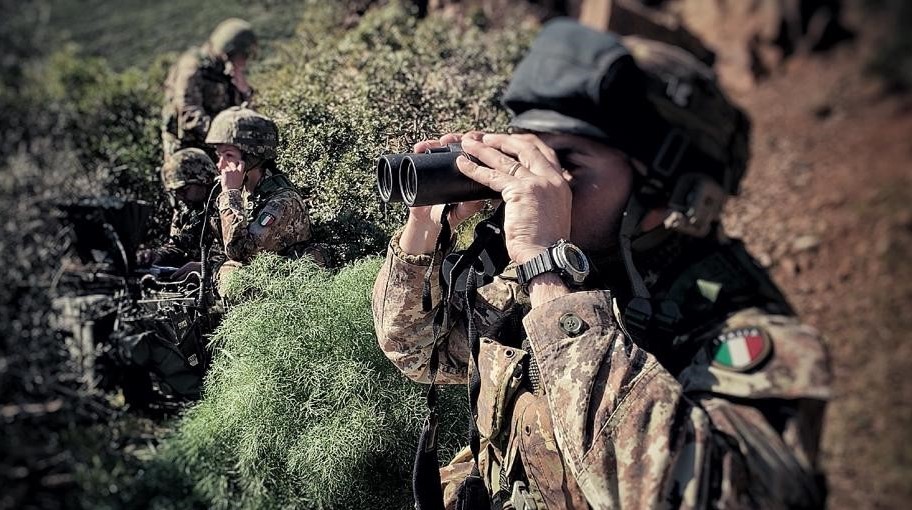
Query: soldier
x=631, y=355
x=259, y=208
x=188, y=175
x=205, y=81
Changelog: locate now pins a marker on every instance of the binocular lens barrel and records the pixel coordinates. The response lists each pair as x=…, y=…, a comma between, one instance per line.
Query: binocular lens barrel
x=388, y=177
x=429, y=179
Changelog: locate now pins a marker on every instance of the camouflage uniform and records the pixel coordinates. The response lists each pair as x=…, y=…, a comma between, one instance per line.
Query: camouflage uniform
x=610, y=426
x=274, y=217
x=184, y=238
x=574, y=411
x=198, y=87
x=187, y=166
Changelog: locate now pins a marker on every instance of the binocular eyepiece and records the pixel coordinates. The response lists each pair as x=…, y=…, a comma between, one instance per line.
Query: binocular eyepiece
x=427, y=179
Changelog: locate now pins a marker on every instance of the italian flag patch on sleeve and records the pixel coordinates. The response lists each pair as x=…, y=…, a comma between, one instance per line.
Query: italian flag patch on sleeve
x=266, y=219
x=742, y=349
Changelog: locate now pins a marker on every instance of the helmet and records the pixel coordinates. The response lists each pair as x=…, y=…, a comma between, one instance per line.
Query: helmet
x=187, y=166
x=656, y=102
x=233, y=36
x=253, y=133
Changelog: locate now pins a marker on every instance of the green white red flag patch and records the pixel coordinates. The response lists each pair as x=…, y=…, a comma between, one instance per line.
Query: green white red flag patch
x=266, y=219
x=742, y=349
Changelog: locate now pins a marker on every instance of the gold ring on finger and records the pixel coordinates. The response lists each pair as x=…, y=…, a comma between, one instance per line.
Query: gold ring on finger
x=513, y=169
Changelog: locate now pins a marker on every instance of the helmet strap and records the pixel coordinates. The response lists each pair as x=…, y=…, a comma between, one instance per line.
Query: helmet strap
x=638, y=314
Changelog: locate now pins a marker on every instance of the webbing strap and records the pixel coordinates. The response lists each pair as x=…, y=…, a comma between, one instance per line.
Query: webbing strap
x=475, y=379
x=440, y=246
x=426, y=484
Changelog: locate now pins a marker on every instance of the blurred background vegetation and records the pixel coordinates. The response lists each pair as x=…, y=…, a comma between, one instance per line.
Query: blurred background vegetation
x=81, y=95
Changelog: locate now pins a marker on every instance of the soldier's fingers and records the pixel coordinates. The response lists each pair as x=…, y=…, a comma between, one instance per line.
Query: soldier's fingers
x=490, y=156
x=450, y=138
x=546, y=150
x=424, y=145
x=489, y=177
x=527, y=153
x=473, y=135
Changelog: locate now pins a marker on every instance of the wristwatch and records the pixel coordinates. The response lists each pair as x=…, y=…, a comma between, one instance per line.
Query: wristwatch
x=563, y=258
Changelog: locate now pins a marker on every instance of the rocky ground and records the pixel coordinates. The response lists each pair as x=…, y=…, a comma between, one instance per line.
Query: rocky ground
x=828, y=206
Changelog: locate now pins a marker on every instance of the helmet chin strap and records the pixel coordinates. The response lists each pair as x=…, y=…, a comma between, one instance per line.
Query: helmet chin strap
x=648, y=320
x=638, y=314
x=252, y=163
x=630, y=227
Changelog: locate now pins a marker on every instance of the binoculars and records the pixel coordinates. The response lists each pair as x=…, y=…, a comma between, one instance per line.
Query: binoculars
x=428, y=179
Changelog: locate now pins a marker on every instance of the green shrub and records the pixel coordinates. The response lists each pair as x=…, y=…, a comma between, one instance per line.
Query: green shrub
x=109, y=118
x=301, y=407
x=341, y=98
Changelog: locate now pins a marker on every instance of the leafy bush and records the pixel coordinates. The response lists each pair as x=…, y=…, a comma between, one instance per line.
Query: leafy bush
x=341, y=98
x=109, y=119
x=269, y=433
x=301, y=408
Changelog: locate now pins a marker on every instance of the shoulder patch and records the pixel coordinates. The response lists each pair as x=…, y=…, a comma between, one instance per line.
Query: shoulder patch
x=741, y=349
x=265, y=219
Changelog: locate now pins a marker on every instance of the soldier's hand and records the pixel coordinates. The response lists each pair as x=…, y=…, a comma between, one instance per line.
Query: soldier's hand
x=147, y=257
x=183, y=271
x=423, y=223
x=529, y=177
x=232, y=173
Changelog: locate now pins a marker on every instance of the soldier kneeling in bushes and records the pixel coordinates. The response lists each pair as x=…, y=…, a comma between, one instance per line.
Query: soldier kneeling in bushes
x=187, y=177
x=259, y=209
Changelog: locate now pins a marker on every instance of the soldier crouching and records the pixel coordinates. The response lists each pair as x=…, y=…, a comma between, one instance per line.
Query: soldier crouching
x=631, y=355
x=204, y=81
x=259, y=209
x=187, y=176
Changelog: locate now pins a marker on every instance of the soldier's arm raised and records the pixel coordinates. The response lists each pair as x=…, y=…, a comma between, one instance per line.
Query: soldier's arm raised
x=239, y=244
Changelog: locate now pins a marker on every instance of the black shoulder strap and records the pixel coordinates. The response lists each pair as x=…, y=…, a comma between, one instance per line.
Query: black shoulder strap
x=269, y=187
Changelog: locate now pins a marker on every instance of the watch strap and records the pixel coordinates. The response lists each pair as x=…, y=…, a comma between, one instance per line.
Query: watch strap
x=539, y=264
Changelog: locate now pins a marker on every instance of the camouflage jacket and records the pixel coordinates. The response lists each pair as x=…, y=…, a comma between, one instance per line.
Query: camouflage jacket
x=274, y=218
x=197, y=88
x=183, y=243
x=607, y=425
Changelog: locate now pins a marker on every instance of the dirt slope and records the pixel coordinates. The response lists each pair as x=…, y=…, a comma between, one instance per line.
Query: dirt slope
x=828, y=205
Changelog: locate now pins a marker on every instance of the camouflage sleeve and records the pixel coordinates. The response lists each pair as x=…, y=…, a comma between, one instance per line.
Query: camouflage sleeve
x=633, y=438
x=404, y=330
x=192, y=119
x=282, y=222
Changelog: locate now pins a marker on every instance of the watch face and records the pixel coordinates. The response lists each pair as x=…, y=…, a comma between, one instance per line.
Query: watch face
x=572, y=260
x=576, y=259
